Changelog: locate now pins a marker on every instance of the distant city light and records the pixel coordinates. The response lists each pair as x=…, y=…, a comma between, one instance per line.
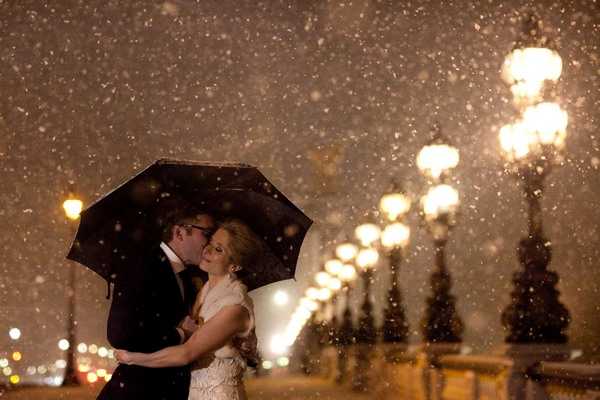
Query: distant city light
x=72, y=208
x=267, y=364
x=14, y=333
x=102, y=352
x=82, y=348
x=42, y=370
x=283, y=361
x=83, y=368
x=63, y=344
x=3, y=362
x=92, y=377
x=60, y=364
x=278, y=344
x=15, y=379
x=7, y=371
x=93, y=349
x=17, y=356
x=281, y=298
x=101, y=373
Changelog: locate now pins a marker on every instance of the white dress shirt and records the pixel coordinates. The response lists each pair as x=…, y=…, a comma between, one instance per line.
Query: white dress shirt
x=176, y=264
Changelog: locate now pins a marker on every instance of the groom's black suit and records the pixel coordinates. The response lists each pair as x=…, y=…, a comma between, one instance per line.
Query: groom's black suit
x=146, y=307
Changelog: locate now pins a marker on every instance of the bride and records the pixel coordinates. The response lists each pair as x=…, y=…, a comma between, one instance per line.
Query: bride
x=226, y=315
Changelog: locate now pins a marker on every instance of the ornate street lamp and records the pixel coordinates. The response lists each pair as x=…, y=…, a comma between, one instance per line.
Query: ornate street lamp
x=366, y=259
x=531, y=147
x=346, y=274
x=346, y=334
x=441, y=323
x=394, y=205
x=531, y=64
x=72, y=207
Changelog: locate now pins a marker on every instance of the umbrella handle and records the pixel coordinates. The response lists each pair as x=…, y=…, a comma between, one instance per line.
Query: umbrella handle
x=107, y=289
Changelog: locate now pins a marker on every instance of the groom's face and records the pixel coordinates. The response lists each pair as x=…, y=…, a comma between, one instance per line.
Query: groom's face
x=194, y=236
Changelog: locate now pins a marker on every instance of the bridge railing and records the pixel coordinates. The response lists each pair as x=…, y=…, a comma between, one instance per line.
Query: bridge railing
x=391, y=371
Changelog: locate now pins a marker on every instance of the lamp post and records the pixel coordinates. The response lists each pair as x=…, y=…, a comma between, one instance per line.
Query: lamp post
x=72, y=207
x=531, y=146
x=366, y=259
x=345, y=334
x=395, y=204
x=441, y=323
x=366, y=334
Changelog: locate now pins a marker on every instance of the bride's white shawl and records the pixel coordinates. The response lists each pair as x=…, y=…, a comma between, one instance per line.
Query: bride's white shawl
x=229, y=291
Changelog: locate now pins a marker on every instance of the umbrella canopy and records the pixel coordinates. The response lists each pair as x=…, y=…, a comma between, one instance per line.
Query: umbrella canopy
x=114, y=230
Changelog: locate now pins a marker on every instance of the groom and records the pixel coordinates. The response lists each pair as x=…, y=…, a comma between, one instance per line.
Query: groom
x=150, y=299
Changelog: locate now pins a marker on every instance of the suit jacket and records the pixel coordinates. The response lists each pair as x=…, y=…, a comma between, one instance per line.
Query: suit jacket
x=146, y=308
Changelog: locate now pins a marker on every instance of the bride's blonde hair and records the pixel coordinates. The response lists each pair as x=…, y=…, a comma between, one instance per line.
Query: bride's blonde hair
x=245, y=248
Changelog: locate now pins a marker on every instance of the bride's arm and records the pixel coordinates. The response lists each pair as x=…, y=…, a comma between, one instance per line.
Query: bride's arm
x=213, y=335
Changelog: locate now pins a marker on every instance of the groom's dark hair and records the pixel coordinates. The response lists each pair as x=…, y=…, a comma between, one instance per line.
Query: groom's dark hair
x=178, y=216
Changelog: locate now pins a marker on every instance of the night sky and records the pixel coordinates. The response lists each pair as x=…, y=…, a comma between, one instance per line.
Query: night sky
x=331, y=100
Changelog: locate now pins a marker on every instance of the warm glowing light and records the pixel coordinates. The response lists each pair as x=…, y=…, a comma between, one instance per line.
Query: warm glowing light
x=367, y=258
x=325, y=294
x=14, y=333
x=348, y=273
x=322, y=278
x=395, y=235
x=83, y=368
x=280, y=298
x=17, y=356
x=527, y=69
x=107, y=377
x=334, y=267
x=312, y=293
x=60, y=364
x=267, y=364
x=278, y=344
x=394, y=205
x=92, y=377
x=346, y=251
x=440, y=199
x=63, y=344
x=309, y=304
x=101, y=373
x=73, y=208
x=548, y=121
x=7, y=371
x=367, y=233
x=82, y=348
x=3, y=362
x=102, y=352
x=283, y=361
x=543, y=125
x=435, y=159
x=334, y=284
x=93, y=349
x=15, y=379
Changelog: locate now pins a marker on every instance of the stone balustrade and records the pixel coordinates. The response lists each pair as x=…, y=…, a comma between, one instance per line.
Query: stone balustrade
x=391, y=371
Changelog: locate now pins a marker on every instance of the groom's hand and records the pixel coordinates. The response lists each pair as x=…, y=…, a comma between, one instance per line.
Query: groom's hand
x=248, y=348
x=124, y=357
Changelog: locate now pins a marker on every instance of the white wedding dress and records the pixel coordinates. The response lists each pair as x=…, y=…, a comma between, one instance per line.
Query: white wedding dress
x=220, y=375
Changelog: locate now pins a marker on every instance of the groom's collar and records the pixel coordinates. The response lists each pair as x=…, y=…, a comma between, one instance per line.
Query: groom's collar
x=174, y=260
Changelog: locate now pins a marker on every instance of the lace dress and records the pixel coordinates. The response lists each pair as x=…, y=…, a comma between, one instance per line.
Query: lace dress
x=220, y=375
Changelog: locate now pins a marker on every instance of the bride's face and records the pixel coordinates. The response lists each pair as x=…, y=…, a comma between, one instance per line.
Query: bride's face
x=216, y=256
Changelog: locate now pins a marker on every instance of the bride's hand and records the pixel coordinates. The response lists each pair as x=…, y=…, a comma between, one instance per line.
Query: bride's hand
x=124, y=357
x=189, y=326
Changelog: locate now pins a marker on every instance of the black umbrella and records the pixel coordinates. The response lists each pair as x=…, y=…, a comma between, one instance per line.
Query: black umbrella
x=125, y=222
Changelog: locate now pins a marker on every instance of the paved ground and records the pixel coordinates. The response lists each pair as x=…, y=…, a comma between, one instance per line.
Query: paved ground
x=275, y=387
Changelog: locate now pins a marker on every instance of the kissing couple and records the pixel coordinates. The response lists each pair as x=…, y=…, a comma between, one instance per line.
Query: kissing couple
x=175, y=342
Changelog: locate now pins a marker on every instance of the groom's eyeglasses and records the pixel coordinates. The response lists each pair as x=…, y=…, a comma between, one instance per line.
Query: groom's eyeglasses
x=205, y=231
